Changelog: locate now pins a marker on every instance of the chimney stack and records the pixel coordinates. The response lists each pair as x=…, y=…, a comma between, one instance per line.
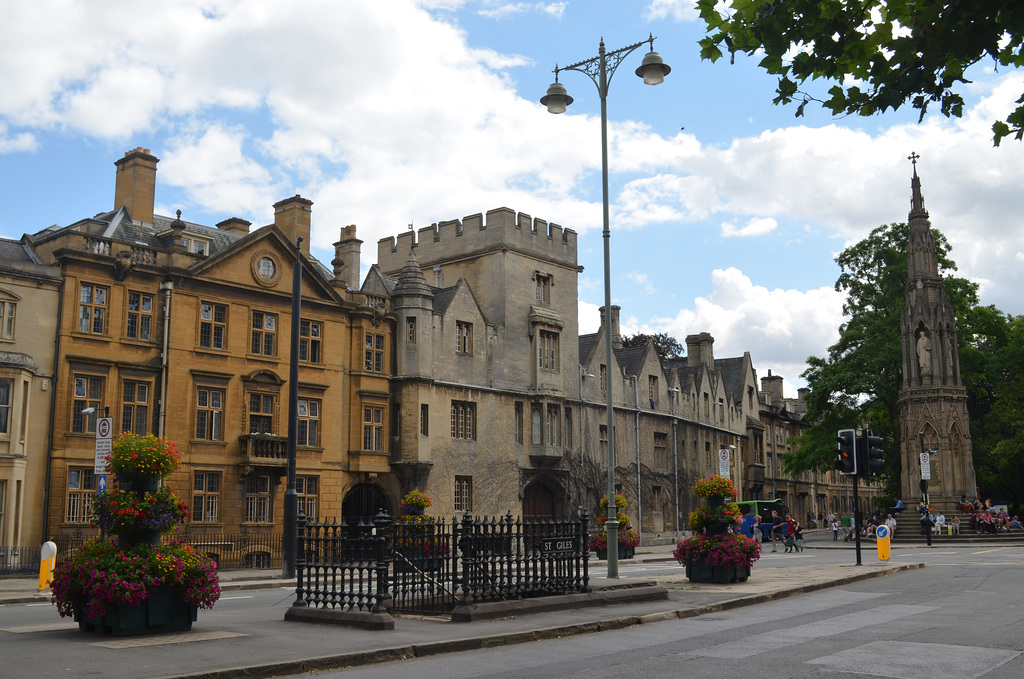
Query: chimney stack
x=235, y=225
x=613, y=331
x=700, y=350
x=293, y=216
x=135, y=187
x=346, y=257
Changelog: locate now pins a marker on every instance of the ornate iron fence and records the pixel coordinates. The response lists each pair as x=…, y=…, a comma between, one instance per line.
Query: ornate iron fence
x=428, y=566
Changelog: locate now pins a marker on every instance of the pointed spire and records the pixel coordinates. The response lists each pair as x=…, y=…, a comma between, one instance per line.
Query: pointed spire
x=411, y=280
x=916, y=198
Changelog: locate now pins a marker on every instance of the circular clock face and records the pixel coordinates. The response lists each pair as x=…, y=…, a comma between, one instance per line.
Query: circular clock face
x=266, y=268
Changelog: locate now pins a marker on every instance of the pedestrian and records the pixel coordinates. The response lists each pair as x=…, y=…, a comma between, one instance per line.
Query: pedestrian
x=835, y=530
x=777, y=527
x=798, y=534
x=755, y=528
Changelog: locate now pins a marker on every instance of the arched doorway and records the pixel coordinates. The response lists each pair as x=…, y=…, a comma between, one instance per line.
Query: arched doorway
x=363, y=502
x=539, y=500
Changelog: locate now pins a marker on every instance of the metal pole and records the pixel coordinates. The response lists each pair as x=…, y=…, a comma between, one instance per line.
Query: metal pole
x=611, y=525
x=291, y=500
x=675, y=465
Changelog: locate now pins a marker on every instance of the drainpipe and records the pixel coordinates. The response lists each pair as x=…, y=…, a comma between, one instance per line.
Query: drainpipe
x=167, y=287
x=636, y=429
x=675, y=463
x=53, y=405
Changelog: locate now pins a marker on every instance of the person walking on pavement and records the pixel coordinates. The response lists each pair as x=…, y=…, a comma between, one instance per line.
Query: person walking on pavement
x=835, y=530
x=777, y=528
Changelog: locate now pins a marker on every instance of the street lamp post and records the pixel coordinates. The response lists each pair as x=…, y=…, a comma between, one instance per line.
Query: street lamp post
x=600, y=70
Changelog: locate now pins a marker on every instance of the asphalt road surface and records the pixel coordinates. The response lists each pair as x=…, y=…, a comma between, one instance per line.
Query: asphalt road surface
x=959, y=618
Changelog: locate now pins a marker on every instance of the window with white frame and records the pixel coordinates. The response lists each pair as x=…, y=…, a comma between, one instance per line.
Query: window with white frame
x=547, y=350
x=261, y=413
x=309, y=340
x=264, y=334
x=463, y=337
x=373, y=358
x=551, y=424
x=307, y=492
x=373, y=428
x=543, y=288
x=463, y=420
x=92, y=308
x=205, y=496
x=309, y=422
x=537, y=424
x=213, y=325
x=135, y=407
x=88, y=393
x=140, y=316
x=209, y=413
x=7, y=313
x=257, y=498
x=463, y=493
x=6, y=389
x=81, y=492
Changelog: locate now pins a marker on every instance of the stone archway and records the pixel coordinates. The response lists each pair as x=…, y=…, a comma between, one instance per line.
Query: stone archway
x=540, y=500
x=363, y=502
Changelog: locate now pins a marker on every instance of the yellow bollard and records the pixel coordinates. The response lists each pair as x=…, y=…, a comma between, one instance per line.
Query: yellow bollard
x=47, y=559
x=882, y=538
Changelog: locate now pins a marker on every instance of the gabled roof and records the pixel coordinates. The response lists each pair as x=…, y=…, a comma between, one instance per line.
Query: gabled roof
x=732, y=375
x=631, y=359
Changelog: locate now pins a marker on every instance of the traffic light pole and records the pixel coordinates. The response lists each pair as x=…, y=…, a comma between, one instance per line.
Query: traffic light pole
x=857, y=518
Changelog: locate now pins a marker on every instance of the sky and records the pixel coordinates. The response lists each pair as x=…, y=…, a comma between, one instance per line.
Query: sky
x=726, y=211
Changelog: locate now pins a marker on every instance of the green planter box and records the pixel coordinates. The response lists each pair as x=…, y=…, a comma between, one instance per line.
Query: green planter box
x=160, y=612
x=701, y=571
x=624, y=553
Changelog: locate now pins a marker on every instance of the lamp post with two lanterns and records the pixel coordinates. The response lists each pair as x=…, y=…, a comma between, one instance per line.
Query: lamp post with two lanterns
x=600, y=70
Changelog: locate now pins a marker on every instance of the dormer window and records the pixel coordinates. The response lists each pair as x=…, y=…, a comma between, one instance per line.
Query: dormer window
x=196, y=246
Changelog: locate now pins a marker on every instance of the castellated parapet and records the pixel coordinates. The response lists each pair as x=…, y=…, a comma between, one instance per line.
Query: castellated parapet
x=503, y=229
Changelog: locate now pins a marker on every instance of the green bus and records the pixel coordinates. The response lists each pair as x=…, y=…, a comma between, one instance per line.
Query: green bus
x=763, y=508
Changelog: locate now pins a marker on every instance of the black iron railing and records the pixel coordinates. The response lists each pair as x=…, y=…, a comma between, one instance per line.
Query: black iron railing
x=428, y=566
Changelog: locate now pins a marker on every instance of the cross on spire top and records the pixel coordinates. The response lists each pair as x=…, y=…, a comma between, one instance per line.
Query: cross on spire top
x=913, y=159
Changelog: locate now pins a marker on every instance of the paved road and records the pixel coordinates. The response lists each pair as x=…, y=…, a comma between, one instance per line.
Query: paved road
x=934, y=623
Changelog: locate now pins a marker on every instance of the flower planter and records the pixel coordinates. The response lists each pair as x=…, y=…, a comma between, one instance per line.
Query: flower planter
x=140, y=484
x=624, y=553
x=702, y=571
x=140, y=536
x=406, y=562
x=161, y=611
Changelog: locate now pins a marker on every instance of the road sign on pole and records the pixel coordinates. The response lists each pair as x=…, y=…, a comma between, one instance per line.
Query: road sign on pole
x=104, y=437
x=926, y=467
x=723, y=462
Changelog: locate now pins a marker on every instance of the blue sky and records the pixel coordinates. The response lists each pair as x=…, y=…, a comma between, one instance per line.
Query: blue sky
x=726, y=211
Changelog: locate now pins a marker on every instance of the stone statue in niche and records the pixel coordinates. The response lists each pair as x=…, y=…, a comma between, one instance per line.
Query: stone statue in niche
x=924, y=350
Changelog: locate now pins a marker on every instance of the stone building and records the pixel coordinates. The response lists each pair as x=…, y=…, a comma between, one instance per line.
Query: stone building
x=184, y=330
x=933, y=401
x=29, y=294
x=501, y=405
x=808, y=493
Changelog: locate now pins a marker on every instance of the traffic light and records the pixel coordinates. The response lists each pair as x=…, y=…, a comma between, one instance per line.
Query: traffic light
x=872, y=457
x=847, y=462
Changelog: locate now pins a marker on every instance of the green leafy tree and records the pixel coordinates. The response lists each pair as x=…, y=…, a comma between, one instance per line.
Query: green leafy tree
x=879, y=54
x=666, y=345
x=860, y=379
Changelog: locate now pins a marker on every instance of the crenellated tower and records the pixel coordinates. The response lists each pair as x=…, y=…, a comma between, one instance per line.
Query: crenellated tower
x=933, y=401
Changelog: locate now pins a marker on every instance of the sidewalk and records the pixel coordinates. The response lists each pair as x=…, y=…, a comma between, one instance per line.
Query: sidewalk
x=226, y=643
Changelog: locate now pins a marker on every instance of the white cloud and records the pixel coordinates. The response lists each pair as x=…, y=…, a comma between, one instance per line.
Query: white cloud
x=21, y=142
x=755, y=227
x=780, y=328
x=505, y=10
x=676, y=10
